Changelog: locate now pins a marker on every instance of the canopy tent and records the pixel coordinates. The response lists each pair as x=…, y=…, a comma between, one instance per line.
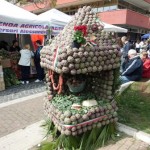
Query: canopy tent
x=146, y=36
x=56, y=18
x=14, y=19
x=112, y=28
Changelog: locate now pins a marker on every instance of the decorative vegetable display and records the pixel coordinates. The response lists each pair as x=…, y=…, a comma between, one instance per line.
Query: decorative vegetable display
x=98, y=54
x=81, y=82
x=66, y=117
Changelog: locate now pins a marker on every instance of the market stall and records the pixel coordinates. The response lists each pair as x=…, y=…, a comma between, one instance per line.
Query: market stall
x=20, y=21
x=17, y=21
x=82, y=65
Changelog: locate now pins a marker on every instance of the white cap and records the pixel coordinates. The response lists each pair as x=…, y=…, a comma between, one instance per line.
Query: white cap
x=132, y=52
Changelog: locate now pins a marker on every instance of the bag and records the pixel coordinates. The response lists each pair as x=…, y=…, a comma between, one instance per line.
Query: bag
x=32, y=62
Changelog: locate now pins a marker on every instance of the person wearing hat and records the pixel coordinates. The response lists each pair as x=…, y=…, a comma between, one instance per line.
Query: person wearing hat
x=132, y=69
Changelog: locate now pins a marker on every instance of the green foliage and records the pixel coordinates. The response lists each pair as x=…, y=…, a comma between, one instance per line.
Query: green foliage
x=48, y=146
x=90, y=140
x=64, y=102
x=49, y=127
x=10, y=77
x=79, y=38
x=52, y=3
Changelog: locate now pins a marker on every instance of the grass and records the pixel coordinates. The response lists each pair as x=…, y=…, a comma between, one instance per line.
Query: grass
x=134, y=107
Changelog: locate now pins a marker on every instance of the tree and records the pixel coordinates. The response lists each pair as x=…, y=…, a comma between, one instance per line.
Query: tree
x=38, y=3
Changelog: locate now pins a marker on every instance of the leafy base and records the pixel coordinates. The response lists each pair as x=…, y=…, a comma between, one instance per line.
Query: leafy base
x=90, y=140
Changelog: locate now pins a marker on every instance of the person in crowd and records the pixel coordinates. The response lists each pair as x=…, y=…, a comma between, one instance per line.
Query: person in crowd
x=120, y=44
x=126, y=46
x=137, y=46
x=132, y=44
x=148, y=52
x=143, y=45
x=24, y=62
x=148, y=47
x=15, y=47
x=148, y=44
x=132, y=69
x=146, y=64
x=39, y=69
x=124, y=51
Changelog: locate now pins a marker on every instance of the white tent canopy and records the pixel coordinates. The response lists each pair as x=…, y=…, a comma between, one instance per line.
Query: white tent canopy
x=112, y=28
x=14, y=19
x=56, y=18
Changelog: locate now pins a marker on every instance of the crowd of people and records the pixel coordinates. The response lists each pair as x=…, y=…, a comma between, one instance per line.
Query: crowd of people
x=135, y=60
x=26, y=55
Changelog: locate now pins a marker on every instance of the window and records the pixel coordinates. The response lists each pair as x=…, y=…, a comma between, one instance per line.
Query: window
x=108, y=8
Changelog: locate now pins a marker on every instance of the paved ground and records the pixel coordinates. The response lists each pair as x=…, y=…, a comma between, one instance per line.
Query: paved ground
x=20, y=115
x=127, y=143
x=23, y=139
x=20, y=91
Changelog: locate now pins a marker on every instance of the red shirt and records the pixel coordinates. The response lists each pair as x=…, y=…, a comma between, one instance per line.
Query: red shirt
x=146, y=68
